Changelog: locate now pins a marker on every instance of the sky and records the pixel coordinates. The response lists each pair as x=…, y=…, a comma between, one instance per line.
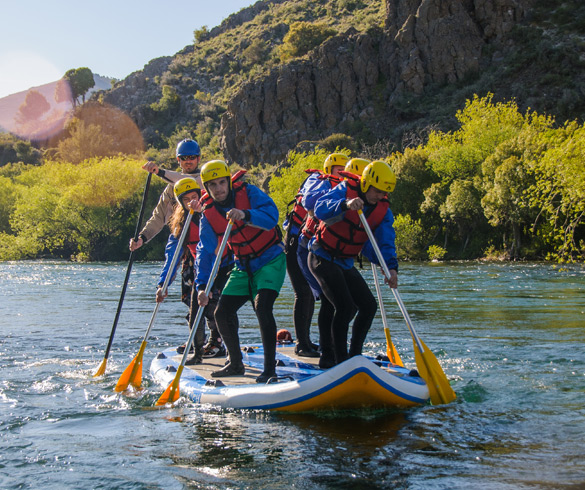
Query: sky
x=41, y=40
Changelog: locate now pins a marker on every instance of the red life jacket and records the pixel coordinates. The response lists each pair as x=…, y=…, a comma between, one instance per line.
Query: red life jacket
x=192, y=238
x=346, y=238
x=245, y=241
x=298, y=213
x=312, y=222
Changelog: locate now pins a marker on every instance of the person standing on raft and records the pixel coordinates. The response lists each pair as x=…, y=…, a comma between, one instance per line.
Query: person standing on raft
x=340, y=237
x=304, y=285
x=258, y=274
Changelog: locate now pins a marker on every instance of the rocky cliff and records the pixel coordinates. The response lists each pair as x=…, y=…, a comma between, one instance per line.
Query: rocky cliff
x=386, y=80
x=354, y=80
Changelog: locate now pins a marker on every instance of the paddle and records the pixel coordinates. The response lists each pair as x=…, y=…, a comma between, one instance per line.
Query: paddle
x=133, y=373
x=102, y=368
x=428, y=366
x=171, y=394
x=391, y=351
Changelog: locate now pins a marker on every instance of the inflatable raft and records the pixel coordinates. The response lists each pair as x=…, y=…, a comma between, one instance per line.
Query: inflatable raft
x=300, y=385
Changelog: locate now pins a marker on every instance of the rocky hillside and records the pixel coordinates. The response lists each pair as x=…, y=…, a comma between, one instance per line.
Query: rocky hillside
x=392, y=70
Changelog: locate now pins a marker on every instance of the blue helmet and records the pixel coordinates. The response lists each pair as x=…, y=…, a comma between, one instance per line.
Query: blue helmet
x=188, y=147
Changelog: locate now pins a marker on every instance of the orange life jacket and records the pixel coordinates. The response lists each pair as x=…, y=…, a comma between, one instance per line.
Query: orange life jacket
x=346, y=238
x=245, y=241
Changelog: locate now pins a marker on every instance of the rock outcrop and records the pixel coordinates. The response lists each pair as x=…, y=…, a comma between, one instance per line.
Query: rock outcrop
x=353, y=79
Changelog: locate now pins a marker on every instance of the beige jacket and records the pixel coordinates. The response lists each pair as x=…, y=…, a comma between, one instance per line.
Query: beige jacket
x=163, y=211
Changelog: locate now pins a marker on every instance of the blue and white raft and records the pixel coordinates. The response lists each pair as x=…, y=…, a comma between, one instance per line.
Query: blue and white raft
x=300, y=386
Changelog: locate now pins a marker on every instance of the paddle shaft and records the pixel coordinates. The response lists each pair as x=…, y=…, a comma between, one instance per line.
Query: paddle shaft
x=136, y=363
x=387, y=273
x=129, y=267
x=379, y=294
x=444, y=393
x=176, y=255
x=383, y=313
x=175, y=384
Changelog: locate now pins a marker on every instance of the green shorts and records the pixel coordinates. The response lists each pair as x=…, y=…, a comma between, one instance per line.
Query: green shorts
x=270, y=276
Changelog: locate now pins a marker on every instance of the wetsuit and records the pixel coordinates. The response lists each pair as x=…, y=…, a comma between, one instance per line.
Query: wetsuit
x=304, y=302
x=258, y=273
x=340, y=238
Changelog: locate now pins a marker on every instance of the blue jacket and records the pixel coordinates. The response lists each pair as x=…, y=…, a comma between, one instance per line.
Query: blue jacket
x=311, y=181
x=263, y=214
x=328, y=209
x=170, y=248
x=314, y=190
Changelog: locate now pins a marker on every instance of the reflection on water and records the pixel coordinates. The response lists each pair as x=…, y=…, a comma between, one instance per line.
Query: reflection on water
x=509, y=336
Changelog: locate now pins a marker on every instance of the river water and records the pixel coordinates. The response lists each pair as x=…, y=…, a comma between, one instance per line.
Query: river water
x=510, y=337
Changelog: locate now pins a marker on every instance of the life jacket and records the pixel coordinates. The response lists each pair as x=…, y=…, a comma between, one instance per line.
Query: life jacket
x=297, y=215
x=312, y=222
x=192, y=238
x=245, y=241
x=346, y=238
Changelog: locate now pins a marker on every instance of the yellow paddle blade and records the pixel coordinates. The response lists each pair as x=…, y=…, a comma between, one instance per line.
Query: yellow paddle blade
x=171, y=394
x=391, y=351
x=431, y=371
x=102, y=369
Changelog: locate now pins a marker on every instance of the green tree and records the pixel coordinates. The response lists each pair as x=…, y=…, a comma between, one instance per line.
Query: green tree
x=413, y=175
x=505, y=179
x=7, y=198
x=256, y=52
x=77, y=210
x=169, y=101
x=302, y=37
x=559, y=190
x=80, y=81
x=463, y=208
x=484, y=125
x=411, y=238
x=14, y=149
x=284, y=186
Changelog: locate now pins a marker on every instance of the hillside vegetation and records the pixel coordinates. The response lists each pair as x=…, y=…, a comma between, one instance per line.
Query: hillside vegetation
x=488, y=165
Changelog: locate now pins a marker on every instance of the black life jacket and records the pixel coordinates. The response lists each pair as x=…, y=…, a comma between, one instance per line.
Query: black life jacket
x=346, y=238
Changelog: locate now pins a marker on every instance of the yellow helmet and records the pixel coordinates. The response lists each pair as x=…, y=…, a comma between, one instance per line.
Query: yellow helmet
x=215, y=169
x=334, y=159
x=380, y=175
x=356, y=166
x=184, y=186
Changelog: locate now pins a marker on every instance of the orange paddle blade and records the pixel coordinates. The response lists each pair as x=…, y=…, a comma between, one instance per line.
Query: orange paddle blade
x=171, y=394
x=132, y=375
x=391, y=351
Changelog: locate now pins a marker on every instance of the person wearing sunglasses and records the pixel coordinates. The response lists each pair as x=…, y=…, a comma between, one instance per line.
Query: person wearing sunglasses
x=188, y=157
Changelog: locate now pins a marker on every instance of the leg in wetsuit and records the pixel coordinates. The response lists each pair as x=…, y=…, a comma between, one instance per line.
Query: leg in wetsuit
x=347, y=292
x=304, y=303
x=227, y=321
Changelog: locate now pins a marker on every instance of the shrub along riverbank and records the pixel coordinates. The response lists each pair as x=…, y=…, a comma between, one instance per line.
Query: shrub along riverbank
x=505, y=184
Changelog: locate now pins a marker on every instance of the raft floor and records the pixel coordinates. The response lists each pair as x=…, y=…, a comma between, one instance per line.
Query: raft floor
x=252, y=371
